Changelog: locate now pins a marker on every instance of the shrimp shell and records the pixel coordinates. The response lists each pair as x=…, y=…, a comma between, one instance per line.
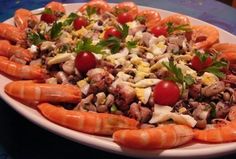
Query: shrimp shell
x=11, y=33
x=162, y=137
x=102, y=6
x=43, y=92
x=176, y=19
x=7, y=50
x=22, y=18
x=88, y=122
x=209, y=32
x=20, y=71
x=129, y=7
x=56, y=7
x=152, y=17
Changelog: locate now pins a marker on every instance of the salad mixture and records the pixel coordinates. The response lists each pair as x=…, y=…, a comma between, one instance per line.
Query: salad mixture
x=118, y=67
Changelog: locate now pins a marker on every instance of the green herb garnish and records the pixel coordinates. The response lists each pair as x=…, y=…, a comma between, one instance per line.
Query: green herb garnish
x=216, y=68
x=171, y=28
x=36, y=38
x=113, y=43
x=113, y=108
x=124, y=30
x=56, y=30
x=131, y=44
x=86, y=45
x=141, y=19
x=177, y=74
x=202, y=57
x=70, y=19
x=91, y=10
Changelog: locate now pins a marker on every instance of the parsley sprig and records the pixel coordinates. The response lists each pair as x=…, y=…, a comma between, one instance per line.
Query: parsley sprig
x=124, y=30
x=131, y=44
x=36, y=38
x=86, y=45
x=216, y=67
x=171, y=28
x=91, y=10
x=113, y=43
x=56, y=30
x=177, y=74
x=70, y=19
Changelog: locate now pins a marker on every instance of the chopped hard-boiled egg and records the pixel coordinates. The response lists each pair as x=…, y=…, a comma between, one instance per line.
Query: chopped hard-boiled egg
x=163, y=113
x=209, y=78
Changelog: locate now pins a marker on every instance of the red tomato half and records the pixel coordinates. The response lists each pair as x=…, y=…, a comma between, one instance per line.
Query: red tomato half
x=124, y=18
x=48, y=18
x=166, y=93
x=85, y=61
x=112, y=32
x=158, y=31
x=79, y=23
x=198, y=65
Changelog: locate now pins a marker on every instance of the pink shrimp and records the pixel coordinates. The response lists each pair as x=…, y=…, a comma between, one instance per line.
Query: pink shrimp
x=43, y=92
x=20, y=71
x=220, y=133
x=176, y=19
x=207, y=34
x=162, y=137
x=88, y=122
x=224, y=47
x=129, y=7
x=151, y=17
x=8, y=50
x=227, y=51
x=23, y=18
x=11, y=33
x=100, y=5
x=56, y=7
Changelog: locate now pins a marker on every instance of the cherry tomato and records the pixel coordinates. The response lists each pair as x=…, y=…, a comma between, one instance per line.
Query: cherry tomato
x=112, y=32
x=166, y=93
x=158, y=31
x=48, y=18
x=124, y=18
x=198, y=65
x=85, y=61
x=80, y=22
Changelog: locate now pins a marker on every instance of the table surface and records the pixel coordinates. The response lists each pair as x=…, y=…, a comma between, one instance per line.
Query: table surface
x=19, y=138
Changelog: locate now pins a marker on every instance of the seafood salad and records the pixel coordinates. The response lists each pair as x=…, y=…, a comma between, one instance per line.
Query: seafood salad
x=149, y=82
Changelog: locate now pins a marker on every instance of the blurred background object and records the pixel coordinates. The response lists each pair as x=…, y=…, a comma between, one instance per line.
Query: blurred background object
x=229, y=2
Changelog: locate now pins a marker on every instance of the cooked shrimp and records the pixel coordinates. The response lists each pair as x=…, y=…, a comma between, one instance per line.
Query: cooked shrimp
x=23, y=18
x=20, y=71
x=88, y=122
x=220, y=133
x=224, y=47
x=208, y=36
x=161, y=137
x=129, y=7
x=11, y=33
x=176, y=19
x=43, y=92
x=227, y=51
x=56, y=7
x=151, y=17
x=7, y=50
x=100, y=5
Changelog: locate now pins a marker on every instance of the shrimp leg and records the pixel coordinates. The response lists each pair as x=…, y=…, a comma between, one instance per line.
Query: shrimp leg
x=88, y=122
